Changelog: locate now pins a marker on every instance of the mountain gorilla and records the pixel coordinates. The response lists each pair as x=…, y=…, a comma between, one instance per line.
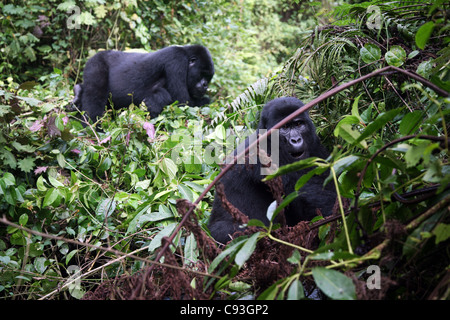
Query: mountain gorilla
x=176, y=73
x=242, y=185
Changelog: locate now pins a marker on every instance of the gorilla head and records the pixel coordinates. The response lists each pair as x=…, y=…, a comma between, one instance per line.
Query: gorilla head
x=116, y=78
x=298, y=138
x=200, y=71
x=245, y=191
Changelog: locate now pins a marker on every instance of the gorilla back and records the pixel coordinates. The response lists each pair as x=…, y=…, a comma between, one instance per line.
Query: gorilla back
x=244, y=189
x=176, y=73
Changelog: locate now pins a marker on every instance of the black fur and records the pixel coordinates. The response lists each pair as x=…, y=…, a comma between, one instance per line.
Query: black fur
x=245, y=190
x=176, y=73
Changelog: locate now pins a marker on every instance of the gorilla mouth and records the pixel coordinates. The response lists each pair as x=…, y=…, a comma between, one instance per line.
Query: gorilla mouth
x=296, y=155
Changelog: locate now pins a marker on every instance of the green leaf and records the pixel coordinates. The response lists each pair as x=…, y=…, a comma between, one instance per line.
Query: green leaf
x=270, y=293
x=370, y=53
x=166, y=232
x=296, y=291
x=40, y=184
x=23, y=219
x=346, y=132
x=299, y=165
x=169, y=168
x=26, y=165
x=334, y=284
x=423, y=34
x=55, y=182
x=190, y=249
x=396, y=56
x=425, y=69
x=106, y=207
x=379, y=123
x=442, y=232
x=8, y=179
x=186, y=192
x=40, y=264
x=70, y=255
x=415, y=153
x=247, y=249
x=230, y=249
x=50, y=197
x=410, y=122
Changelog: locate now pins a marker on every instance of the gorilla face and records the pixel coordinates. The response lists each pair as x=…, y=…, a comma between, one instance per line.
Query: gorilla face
x=293, y=138
x=200, y=72
x=298, y=137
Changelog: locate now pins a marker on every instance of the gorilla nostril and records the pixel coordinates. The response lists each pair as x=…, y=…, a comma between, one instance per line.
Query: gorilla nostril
x=296, y=141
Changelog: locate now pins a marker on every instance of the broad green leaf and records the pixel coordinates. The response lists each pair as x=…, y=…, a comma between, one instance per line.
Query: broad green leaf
x=40, y=264
x=190, y=249
x=55, y=182
x=425, y=69
x=296, y=291
x=169, y=167
x=288, y=199
x=270, y=293
x=26, y=165
x=305, y=178
x=166, y=232
x=350, y=135
x=344, y=163
x=370, y=53
x=334, y=284
x=379, y=123
x=410, y=122
x=186, y=192
x=9, y=179
x=442, y=232
x=247, y=249
x=106, y=207
x=423, y=34
x=230, y=249
x=132, y=226
x=51, y=196
x=23, y=219
x=396, y=56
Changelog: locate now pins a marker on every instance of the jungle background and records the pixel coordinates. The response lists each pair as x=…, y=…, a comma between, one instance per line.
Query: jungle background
x=96, y=214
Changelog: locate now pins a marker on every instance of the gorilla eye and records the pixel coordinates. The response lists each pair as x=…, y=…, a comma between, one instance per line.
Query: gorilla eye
x=299, y=123
x=192, y=60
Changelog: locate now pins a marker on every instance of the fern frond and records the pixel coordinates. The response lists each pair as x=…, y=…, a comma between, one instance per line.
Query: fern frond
x=254, y=95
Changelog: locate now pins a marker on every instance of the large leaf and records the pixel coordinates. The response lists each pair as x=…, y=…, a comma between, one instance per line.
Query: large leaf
x=396, y=56
x=334, y=284
x=423, y=34
x=247, y=249
x=106, y=207
x=370, y=53
x=379, y=123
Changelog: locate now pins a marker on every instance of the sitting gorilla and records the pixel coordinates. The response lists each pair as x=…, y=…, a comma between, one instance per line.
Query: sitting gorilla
x=176, y=73
x=245, y=191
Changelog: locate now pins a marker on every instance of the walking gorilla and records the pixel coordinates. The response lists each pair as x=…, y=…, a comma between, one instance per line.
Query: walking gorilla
x=244, y=189
x=176, y=73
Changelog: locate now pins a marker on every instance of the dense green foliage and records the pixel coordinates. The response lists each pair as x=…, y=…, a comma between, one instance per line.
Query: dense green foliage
x=80, y=207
